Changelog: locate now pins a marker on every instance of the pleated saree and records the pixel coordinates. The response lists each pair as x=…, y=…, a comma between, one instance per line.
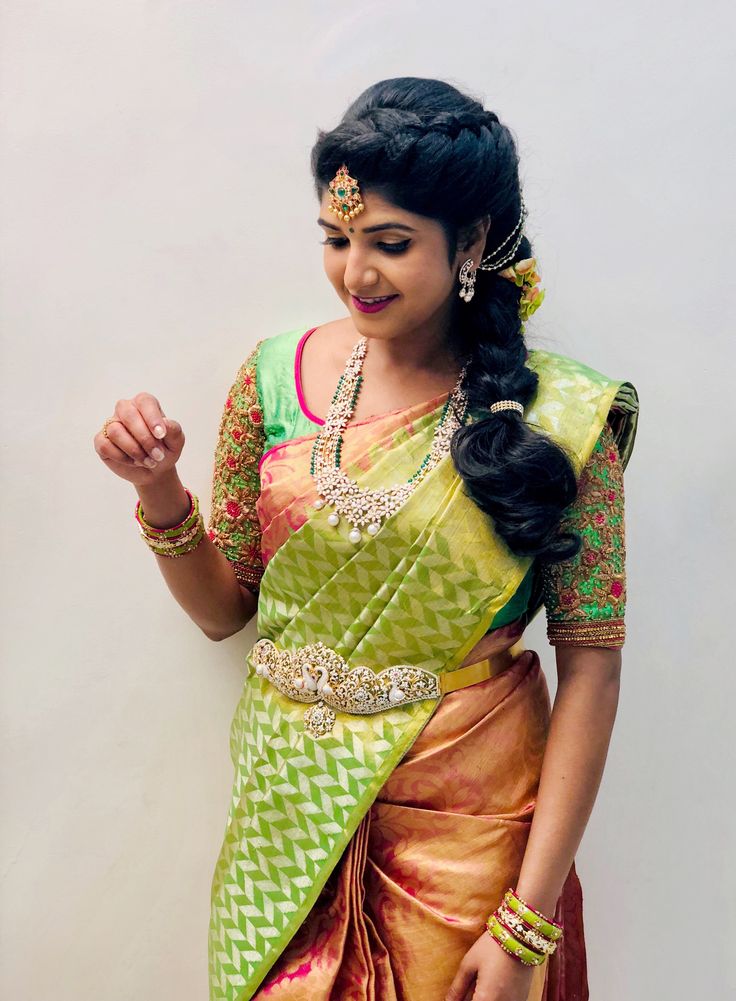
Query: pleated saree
x=364, y=848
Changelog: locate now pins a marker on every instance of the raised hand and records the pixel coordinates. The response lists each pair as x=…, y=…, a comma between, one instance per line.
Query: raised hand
x=141, y=444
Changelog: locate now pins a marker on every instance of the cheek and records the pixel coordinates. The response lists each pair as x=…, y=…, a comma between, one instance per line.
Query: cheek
x=334, y=269
x=425, y=282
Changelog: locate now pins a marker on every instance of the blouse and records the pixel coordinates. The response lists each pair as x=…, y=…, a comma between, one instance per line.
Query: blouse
x=584, y=596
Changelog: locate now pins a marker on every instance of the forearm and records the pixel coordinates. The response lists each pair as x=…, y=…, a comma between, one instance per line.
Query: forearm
x=202, y=581
x=577, y=745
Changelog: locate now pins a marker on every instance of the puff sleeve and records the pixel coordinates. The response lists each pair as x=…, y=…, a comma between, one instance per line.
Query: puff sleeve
x=585, y=596
x=233, y=526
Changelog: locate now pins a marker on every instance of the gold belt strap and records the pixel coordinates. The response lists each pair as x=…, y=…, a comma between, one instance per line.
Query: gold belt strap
x=482, y=670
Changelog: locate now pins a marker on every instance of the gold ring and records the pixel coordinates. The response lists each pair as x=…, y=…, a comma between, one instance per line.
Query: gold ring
x=104, y=426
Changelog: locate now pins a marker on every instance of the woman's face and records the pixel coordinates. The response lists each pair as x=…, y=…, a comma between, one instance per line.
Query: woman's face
x=387, y=251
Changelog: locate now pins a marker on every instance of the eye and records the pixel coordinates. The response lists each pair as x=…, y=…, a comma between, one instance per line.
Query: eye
x=395, y=248
x=387, y=248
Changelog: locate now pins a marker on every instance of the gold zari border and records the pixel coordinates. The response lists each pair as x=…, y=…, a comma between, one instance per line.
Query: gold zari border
x=609, y=632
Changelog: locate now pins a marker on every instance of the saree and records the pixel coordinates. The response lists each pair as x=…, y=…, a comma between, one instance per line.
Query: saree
x=363, y=852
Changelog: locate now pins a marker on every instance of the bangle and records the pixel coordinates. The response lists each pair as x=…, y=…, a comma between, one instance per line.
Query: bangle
x=511, y=945
x=519, y=927
x=547, y=927
x=186, y=545
x=173, y=530
x=177, y=539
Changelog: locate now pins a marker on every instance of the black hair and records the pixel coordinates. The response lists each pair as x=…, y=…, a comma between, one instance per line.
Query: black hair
x=432, y=150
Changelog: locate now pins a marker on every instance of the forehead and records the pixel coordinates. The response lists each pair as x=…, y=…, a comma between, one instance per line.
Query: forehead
x=378, y=209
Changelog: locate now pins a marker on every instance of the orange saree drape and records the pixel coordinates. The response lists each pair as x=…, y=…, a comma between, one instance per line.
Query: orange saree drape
x=442, y=842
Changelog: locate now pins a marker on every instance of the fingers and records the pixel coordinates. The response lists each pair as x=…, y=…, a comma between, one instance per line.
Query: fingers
x=152, y=415
x=139, y=440
x=132, y=430
x=109, y=451
x=461, y=986
x=482, y=991
x=174, y=439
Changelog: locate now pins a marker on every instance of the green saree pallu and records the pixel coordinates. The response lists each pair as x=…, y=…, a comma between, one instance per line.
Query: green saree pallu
x=353, y=641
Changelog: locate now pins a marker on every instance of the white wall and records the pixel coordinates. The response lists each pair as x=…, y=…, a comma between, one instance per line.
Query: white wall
x=147, y=244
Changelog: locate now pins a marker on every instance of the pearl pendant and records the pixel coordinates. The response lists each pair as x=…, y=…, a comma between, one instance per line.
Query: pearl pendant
x=354, y=535
x=333, y=518
x=319, y=504
x=373, y=528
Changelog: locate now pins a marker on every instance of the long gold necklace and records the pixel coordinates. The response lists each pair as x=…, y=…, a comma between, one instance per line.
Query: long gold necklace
x=365, y=508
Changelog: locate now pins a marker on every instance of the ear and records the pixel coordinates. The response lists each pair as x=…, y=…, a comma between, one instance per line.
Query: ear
x=473, y=237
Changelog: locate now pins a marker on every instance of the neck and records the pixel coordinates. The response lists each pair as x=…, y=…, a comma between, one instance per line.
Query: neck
x=423, y=349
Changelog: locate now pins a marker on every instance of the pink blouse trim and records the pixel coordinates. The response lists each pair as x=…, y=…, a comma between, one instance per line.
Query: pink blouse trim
x=298, y=378
x=366, y=420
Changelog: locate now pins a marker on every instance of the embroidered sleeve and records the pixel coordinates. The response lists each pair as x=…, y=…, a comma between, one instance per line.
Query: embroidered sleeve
x=234, y=527
x=585, y=596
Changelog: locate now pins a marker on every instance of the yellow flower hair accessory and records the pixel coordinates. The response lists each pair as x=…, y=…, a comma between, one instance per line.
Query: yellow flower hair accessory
x=346, y=200
x=524, y=275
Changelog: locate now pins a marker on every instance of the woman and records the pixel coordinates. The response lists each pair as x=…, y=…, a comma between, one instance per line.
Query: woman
x=396, y=494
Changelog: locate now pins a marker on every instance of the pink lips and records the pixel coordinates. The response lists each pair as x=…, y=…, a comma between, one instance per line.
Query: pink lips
x=372, y=307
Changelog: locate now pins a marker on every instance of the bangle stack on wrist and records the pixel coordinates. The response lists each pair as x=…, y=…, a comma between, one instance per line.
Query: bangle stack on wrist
x=178, y=539
x=524, y=933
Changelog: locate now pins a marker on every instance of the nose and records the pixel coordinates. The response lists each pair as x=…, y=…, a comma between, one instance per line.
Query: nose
x=360, y=276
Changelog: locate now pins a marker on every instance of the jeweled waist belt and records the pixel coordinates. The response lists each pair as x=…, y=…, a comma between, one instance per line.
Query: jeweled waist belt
x=317, y=674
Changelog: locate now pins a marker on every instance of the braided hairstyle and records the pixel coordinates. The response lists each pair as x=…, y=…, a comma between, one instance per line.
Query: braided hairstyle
x=434, y=151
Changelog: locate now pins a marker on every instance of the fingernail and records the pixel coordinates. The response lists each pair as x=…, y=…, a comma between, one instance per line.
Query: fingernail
x=159, y=431
x=157, y=453
x=149, y=462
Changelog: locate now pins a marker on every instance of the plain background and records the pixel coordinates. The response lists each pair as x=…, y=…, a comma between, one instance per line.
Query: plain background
x=157, y=219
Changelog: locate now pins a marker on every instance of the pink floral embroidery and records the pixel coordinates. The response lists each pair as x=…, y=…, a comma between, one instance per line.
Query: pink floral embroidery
x=234, y=526
x=585, y=596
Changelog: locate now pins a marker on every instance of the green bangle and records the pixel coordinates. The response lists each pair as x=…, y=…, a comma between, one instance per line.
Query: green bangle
x=165, y=533
x=512, y=945
x=180, y=550
x=532, y=917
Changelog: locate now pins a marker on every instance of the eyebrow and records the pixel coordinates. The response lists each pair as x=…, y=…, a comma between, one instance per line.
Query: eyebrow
x=370, y=229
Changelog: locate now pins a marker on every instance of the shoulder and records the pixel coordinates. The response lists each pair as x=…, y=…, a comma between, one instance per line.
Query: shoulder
x=552, y=366
x=573, y=397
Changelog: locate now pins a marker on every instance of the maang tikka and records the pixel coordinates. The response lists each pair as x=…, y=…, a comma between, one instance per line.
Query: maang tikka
x=346, y=200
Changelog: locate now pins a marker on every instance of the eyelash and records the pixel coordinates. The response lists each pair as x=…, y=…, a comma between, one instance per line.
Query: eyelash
x=388, y=248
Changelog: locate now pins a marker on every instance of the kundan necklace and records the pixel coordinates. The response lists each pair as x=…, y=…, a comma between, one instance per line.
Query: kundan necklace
x=365, y=508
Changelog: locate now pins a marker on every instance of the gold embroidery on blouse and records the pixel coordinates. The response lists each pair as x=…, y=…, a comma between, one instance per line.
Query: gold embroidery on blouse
x=234, y=527
x=585, y=596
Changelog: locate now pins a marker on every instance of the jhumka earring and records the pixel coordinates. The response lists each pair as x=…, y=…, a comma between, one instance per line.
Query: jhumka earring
x=467, y=280
x=346, y=199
